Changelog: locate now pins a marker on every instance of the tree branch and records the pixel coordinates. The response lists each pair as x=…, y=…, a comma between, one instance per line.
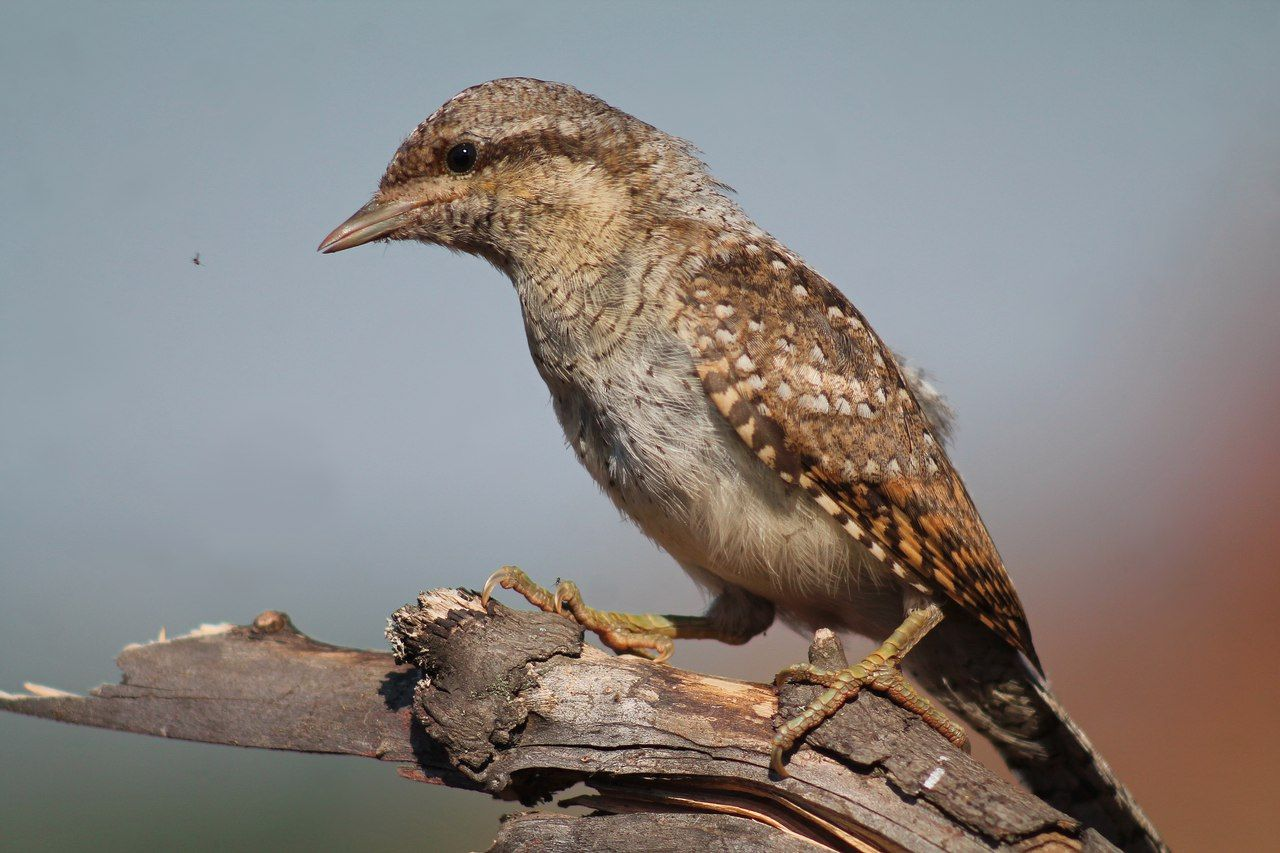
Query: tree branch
x=512, y=703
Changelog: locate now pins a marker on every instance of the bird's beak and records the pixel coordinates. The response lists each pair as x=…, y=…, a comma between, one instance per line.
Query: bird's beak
x=375, y=220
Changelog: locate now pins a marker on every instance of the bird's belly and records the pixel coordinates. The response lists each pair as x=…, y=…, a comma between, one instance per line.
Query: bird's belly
x=672, y=464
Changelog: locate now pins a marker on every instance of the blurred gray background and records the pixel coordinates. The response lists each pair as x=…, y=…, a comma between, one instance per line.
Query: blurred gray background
x=1070, y=212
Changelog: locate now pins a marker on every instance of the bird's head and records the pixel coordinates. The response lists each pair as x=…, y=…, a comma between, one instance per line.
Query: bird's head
x=523, y=171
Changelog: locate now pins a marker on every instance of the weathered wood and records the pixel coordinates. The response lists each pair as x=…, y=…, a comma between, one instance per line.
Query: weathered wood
x=513, y=703
x=653, y=832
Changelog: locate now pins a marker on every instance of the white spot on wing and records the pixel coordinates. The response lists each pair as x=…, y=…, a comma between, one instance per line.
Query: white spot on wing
x=819, y=403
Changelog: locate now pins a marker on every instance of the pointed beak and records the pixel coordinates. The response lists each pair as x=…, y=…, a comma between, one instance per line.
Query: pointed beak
x=374, y=221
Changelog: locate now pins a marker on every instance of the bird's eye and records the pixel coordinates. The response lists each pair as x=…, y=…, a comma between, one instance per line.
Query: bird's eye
x=461, y=158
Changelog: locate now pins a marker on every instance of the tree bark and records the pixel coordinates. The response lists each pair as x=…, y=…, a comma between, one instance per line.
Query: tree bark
x=512, y=703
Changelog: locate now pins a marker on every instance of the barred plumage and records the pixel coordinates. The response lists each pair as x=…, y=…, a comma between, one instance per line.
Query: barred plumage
x=742, y=412
x=808, y=385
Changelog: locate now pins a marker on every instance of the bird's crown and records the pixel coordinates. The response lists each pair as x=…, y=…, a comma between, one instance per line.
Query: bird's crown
x=511, y=164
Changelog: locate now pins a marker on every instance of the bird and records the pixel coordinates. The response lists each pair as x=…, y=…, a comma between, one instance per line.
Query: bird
x=740, y=410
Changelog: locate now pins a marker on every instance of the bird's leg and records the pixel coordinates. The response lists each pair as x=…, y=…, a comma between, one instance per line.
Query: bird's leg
x=647, y=634
x=881, y=670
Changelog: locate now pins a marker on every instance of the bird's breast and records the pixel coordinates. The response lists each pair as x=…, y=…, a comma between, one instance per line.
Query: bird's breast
x=642, y=425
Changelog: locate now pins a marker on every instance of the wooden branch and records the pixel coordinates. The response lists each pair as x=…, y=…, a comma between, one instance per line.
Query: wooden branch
x=512, y=703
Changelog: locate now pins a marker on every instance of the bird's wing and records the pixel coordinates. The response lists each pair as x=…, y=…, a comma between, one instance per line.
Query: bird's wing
x=812, y=390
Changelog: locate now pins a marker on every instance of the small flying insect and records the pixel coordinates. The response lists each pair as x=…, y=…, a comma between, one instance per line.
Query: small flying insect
x=196, y=259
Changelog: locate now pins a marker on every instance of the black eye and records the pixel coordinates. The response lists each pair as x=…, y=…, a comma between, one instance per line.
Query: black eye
x=461, y=158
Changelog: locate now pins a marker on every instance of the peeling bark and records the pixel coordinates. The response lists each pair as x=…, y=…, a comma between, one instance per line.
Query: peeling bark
x=513, y=703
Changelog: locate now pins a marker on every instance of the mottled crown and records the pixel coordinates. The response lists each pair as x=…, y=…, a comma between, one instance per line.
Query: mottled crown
x=517, y=118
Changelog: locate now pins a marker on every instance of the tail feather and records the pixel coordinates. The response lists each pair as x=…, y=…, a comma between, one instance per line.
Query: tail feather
x=1067, y=772
x=1002, y=696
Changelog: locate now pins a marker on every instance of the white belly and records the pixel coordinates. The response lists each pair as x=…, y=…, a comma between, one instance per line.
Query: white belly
x=648, y=434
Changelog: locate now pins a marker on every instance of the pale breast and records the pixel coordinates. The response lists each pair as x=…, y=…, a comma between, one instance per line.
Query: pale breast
x=643, y=426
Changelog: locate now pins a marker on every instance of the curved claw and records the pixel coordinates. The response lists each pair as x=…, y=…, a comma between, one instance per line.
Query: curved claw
x=502, y=577
x=785, y=676
x=566, y=593
x=661, y=650
x=775, y=760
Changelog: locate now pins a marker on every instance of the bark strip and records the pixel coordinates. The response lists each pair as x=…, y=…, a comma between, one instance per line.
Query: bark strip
x=512, y=703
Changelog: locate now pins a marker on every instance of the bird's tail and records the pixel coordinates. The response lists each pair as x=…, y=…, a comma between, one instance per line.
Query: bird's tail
x=1001, y=695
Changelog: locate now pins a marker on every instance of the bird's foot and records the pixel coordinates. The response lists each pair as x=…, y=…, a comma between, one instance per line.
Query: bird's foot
x=882, y=671
x=645, y=634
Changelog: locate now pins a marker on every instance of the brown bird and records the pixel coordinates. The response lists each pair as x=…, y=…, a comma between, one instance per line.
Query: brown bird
x=735, y=405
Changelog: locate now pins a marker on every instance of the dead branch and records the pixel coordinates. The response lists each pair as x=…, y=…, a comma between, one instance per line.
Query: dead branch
x=514, y=704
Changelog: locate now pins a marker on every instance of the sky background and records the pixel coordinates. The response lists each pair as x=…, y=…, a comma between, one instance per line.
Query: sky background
x=1069, y=212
